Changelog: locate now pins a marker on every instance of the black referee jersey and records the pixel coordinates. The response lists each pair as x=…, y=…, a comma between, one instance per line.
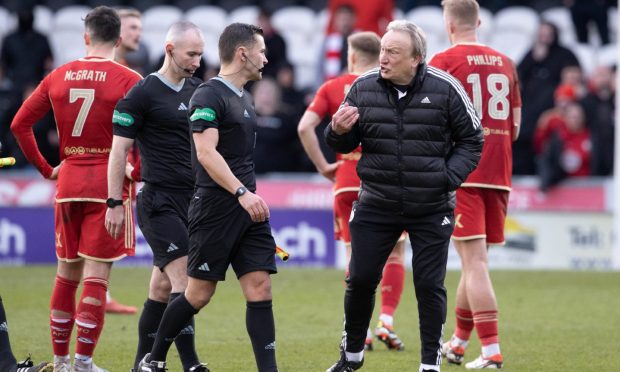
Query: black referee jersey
x=154, y=112
x=219, y=104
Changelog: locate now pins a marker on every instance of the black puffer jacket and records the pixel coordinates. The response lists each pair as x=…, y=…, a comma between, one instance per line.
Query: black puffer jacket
x=414, y=152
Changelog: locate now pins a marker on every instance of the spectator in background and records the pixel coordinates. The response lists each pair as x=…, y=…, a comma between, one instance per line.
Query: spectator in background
x=552, y=119
x=44, y=132
x=585, y=11
x=335, y=47
x=277, y=146
x=372, y=15
x=599, y=106
x=573, y=76
x=275, y=44
x=568, y=151
x=539, y=74
x=26, y=56
x=293, y=99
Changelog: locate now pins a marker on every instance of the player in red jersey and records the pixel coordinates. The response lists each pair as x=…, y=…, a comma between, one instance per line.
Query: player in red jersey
x=481, y=203
x=363, y=56
x=83, y=94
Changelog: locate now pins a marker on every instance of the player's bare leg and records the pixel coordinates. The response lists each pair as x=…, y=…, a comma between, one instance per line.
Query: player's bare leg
x=259, y=321
x=391, y=290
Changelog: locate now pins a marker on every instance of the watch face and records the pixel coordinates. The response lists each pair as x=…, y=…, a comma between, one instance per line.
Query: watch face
x=111, y=203
x=241, y=191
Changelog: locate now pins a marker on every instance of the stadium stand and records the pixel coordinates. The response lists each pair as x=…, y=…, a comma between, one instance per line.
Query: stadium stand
x=510, y=30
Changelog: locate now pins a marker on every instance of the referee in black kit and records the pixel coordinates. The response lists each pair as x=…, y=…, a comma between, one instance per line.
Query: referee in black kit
x=155, y=113
x=228, y=221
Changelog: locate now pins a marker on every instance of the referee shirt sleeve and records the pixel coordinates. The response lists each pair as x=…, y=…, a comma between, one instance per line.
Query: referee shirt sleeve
x=206, y=109
x=130, y=111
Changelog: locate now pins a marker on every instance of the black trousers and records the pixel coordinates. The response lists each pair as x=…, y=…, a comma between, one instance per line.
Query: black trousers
x=374, y=233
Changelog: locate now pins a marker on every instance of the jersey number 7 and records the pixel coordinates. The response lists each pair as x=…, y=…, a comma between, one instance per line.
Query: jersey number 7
x=89, y=96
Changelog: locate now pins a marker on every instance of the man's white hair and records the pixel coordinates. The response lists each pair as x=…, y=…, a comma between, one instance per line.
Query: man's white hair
x=176, y=31
x=418, y=38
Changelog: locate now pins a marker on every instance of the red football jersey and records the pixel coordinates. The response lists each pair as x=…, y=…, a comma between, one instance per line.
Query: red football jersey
x=491, y=81
x=83, y=94
x=326, y=102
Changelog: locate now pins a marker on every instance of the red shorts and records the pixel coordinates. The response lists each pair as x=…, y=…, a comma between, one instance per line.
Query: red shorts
x=480, y=213
x=343, y=204
x=80, y=233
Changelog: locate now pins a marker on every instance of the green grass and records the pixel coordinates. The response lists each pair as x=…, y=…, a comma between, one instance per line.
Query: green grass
x=549, y=321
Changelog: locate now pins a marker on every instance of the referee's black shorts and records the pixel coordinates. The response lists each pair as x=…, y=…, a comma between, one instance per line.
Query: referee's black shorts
x=162, y=217
x=221, y=233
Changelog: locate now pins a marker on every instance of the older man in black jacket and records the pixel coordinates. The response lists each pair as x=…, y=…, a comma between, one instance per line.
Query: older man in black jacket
x=420, y=139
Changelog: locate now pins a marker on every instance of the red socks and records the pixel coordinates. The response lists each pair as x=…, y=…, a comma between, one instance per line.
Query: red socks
x=464, y=323
x=63, y=299
x=391, y=287
x=486, y=326
x=90, y=315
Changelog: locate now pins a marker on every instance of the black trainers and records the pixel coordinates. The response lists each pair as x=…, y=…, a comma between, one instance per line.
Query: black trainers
x=202, y=367
x=152, y=366
x=28, y=366
x=344, y=365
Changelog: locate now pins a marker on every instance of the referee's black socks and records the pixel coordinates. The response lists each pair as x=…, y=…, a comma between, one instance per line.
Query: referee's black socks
x=147, y=327
x=177, y=315
x=185, y=341
x=261, y=328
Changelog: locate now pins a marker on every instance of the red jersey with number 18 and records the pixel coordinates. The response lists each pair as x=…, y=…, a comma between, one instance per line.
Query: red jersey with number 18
x=491, y=82
x=83, y=94
x=327, y=101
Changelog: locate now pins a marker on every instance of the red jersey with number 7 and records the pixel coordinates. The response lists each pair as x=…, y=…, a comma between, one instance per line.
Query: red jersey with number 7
x=83, y=94
x=492, y=84
x=327, y=100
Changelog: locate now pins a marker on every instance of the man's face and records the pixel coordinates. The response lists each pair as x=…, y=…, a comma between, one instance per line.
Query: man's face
x=131, y=30
x=187, y=53
x=396, y=61
x=256, y=58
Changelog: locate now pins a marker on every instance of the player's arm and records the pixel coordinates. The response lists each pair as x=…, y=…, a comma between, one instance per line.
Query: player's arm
x=516, y=119
x=127, y=119
x=31, y=111
x=115, y=217
x=515, y=103
x=306, y=130
x=217, y=168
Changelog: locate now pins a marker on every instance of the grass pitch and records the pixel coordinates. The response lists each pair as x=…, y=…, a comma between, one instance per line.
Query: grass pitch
x=549, y=321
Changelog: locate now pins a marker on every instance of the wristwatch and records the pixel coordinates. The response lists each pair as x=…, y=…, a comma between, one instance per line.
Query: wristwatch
x=240, y=191
x=111, y=203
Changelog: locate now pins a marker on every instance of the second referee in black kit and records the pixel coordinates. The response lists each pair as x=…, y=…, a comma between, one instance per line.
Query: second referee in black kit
x=228, y=222
x=155, y=113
